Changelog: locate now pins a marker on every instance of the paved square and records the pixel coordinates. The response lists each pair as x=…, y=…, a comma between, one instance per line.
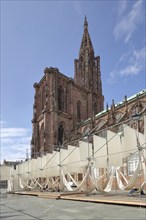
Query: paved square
x=22, y=207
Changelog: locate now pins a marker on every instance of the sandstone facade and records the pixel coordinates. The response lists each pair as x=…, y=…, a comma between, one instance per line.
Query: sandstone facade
x=61, y=103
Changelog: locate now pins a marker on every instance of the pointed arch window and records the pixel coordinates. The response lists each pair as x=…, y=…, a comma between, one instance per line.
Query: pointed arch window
x=79, y=110
x=60, y=98
x=60, y=135
x=42, y=98
x=95, y=108
x=42, y=138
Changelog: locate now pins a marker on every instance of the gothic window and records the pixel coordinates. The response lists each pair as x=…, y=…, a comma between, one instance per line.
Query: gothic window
x=95, y=63
x=80, y=62
x=42, y=137
x=101, y=106
x=60, y=98
x=42, y=93
x=41, y=100
x=60, y=135
x=79, y=110
x=95, y=108
x=82, y=81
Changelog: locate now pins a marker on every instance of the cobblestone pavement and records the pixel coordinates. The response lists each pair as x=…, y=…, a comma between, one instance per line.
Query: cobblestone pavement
x=22, y=207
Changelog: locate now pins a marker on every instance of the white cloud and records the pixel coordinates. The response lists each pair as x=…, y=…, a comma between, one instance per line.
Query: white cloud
x=135, y=63
x=13, y=132
x=130, y=70
x=128, y=23
x=129, y=64
x=14, y=142
x=121, y=7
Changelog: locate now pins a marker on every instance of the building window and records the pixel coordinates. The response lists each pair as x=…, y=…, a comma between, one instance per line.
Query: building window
x=42, y=99
x=80, y=176
x=79, y=110
x=60, y=98
x=60, y=135
x=95, y=108
x=42, y=138
x=132, y=164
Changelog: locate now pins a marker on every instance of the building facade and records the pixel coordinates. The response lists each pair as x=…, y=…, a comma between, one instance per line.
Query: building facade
x=66, y=109
x=62, y=103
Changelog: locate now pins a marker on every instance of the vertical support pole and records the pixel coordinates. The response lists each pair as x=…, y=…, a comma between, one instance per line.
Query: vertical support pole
x=18, y=180
x=145, y=142
x=89, y=168
x=107, y=154
x=60, y=169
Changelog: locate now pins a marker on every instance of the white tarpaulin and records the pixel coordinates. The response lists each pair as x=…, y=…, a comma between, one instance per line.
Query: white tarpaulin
x=64, y=156
x=85, y=152
x=114, y=149
x=100, y=151
x=74, y=163
x=54, y=164
x=129, y=141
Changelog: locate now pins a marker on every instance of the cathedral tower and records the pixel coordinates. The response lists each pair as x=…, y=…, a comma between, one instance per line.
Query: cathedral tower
x=87, y=71
x=62, y=103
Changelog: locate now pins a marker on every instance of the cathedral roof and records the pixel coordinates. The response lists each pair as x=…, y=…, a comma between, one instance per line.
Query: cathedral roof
x=119, y=104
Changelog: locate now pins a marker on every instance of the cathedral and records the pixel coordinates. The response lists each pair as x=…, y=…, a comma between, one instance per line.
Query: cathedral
x=65, y=108
x=77, y=145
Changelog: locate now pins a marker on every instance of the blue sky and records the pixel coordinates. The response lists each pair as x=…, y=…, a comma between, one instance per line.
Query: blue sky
x=39, y=34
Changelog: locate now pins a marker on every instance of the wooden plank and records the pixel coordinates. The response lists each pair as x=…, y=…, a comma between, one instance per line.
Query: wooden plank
x=119, y=199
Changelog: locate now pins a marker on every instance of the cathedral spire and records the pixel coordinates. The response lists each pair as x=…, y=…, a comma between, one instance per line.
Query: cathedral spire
x=87, y=70
x=86, y=41
x=85, y=24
